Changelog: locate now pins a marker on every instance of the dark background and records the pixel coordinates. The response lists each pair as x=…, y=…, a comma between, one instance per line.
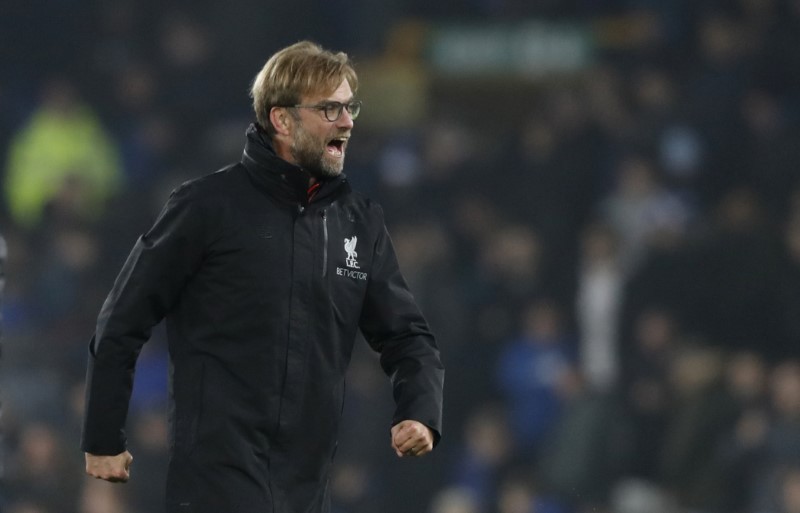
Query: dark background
x=595, y=203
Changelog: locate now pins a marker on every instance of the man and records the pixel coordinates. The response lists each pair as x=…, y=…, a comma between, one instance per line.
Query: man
x=264, y=271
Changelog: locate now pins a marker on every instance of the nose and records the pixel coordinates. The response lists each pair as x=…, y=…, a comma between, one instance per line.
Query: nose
x=345, y=120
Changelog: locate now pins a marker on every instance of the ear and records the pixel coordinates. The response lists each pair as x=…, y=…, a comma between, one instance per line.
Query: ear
x=281, y=120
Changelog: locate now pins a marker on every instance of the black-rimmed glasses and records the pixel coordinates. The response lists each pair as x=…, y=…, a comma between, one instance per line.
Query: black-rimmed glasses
x=333, y=110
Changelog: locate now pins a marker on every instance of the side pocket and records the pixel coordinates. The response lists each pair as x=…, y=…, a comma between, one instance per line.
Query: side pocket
x=181, y=487
x=197, y=391
x=187, y=388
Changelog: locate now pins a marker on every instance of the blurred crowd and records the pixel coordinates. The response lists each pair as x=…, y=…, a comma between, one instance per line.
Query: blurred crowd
x=610, y=259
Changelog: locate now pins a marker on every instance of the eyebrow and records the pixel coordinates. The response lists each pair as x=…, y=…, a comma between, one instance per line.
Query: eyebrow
x=323, y=102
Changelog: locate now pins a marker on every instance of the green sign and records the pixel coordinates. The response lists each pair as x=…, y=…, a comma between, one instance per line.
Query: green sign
x=531, y=49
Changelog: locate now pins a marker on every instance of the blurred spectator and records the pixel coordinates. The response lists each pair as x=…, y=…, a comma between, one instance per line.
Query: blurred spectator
x=40, y=470
x=530, y=374
x=638, y=208
x=765, y=150
x=664, y=127
x=645, y=388
x=636, y=496
x=745, y=377
x=519, y=494
x=475, y=218
x=547, y=184
x=351, y=488
x=102, y=497
x=426, y=249
x=147, y=135
x=789, y=289
x=588, y=449
x=185, y=49
x=764, y=445
x=67, y=260
x=714, y=88
x=778, y=446
x=62, y=163
x=790, y=491
x=505, y=274
x=486, y=451
x=599, y=297
x=699, y=416
x=737, y=277
x=454, y=500
x=510, y=262
x=737, y=450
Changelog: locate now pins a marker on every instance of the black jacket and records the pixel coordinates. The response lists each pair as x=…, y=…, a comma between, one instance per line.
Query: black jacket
x=263, y=293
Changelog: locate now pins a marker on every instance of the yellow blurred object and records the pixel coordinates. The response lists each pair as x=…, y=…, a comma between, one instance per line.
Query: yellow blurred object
x=65, y=156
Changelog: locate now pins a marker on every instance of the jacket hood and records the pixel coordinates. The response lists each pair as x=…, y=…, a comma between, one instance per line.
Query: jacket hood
x=279, y=178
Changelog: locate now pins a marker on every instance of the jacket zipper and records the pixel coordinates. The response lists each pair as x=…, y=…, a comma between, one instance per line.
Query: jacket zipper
x=325, y=243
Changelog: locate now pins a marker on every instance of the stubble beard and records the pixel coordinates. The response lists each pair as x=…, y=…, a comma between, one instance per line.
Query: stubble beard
x=310, y=155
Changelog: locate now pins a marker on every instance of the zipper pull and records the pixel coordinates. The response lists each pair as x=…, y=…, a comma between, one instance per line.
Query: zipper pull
x=300, y=209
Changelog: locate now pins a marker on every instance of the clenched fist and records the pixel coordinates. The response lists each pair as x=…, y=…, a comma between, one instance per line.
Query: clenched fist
x=411, y=438
x=111, y=468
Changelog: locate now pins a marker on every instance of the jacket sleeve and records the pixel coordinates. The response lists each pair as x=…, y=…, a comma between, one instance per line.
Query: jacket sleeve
x=393, y=326
x=149, y=283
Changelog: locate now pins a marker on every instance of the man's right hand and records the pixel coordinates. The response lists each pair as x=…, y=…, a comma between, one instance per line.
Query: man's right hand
x=111, y=468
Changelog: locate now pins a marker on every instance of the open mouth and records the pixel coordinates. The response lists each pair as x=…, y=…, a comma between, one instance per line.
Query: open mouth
x=336, y=146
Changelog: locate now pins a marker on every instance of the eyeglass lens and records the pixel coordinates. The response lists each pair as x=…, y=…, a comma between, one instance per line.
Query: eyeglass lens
x=334, y=110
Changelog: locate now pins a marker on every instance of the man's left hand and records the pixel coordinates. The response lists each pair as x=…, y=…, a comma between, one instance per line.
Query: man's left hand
x=411, y=438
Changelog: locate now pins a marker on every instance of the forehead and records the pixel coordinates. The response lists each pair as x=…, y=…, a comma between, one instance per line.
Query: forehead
x=343, y=93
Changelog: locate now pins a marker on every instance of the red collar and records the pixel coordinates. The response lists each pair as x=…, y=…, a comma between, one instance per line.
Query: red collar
x=313, y=190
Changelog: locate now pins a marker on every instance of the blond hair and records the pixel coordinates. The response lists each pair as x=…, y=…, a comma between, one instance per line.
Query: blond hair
x=302, y=69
